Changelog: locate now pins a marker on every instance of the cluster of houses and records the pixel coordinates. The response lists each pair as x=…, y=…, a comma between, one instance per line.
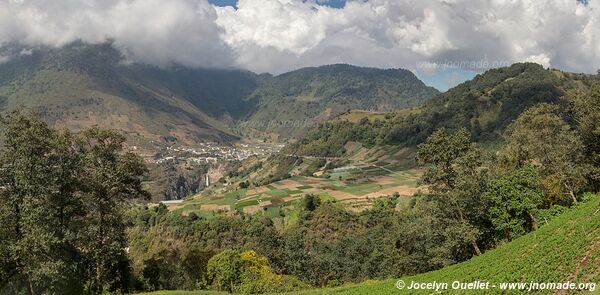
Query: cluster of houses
x=210, y=152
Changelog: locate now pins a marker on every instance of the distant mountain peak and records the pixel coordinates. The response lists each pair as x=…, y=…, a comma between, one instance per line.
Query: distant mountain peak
x=80, y=85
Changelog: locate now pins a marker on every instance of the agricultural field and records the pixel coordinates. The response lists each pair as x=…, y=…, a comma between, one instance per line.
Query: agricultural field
x=354, y=186
x=355, y=116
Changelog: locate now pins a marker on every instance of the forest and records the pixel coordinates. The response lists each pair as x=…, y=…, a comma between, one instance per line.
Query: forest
x=485, y=106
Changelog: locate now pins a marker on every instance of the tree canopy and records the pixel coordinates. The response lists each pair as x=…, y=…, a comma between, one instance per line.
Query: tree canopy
x=61, y=195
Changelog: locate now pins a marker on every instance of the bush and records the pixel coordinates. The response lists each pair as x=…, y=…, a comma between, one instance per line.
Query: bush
x=247, y=273
x=224, y=270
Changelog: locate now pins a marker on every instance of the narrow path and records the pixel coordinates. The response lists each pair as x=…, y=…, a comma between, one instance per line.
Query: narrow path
x=339, y=158
x=386, y=169
x=171, y=202
x=315, y=157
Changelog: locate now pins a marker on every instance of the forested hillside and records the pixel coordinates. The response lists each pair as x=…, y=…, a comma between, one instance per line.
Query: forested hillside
x=573, y=238
x=311, y=95
x=567, y=247
x=485, y=106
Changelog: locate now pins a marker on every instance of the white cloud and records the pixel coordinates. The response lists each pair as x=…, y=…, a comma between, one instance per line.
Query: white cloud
x=284, y=25
x=152, y=31
x=279, y=35
x=542, y=59
x=4, y=59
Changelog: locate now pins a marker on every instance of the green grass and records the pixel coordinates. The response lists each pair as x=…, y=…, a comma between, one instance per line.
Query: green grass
x=191, y=207
x=568, y=248
x=272, y=211
x=292, y=192
x=363, y=189
x=236, y=194
x=277, y=193
x=297, y=178
x=565, y=249
x=338, y=175
x=359, y=183
x=246, y=204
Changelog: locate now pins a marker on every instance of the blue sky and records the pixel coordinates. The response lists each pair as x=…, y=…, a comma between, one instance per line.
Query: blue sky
x=446, y=78
x=223, y=2
x=332, y=3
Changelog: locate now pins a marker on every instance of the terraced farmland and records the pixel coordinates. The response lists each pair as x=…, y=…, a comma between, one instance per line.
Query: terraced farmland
x=355, y=187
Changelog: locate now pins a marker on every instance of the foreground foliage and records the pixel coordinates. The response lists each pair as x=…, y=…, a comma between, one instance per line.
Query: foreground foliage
x=60, y=208
x=566, y=248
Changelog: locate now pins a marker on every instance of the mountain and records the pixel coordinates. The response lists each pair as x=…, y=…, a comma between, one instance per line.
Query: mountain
x=485, y=105
x=311, y=95
x=80, y=85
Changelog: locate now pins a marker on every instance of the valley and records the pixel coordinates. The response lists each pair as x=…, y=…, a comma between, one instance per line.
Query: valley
x=355, y=181
x=356, y=188
x=179, y=171
x=321, y=177
x=490, y=165
x=183, y=120
x=212, y=147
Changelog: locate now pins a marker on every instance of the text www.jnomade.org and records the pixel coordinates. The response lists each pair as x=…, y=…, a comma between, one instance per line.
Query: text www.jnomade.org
x=485, y=285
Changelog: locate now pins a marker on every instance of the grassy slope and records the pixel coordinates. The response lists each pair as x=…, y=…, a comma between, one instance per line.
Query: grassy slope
x=566, y=249
x=355, y=116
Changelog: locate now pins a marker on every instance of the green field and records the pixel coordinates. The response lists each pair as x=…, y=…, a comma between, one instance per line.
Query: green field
x=278, y=199
x=574, y=238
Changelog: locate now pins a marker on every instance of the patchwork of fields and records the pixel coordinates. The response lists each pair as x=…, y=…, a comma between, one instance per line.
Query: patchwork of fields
x=355, y=187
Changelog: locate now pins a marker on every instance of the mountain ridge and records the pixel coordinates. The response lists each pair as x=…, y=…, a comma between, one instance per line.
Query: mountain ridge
x=322, y=93
x=80, y=85
x=485, y=106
